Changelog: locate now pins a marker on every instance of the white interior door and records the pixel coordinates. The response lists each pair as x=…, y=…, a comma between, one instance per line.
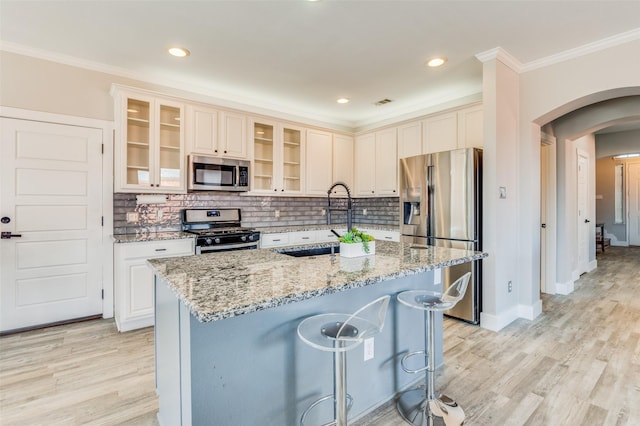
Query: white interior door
x=543, y=218
x=50, y=195
x=634, y=204
x=584, y=222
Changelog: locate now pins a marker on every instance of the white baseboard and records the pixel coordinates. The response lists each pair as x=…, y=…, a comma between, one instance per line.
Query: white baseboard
x=620, y=243
x=565, y=288
x=592, y=266
x=500, y=321
x=530, y=312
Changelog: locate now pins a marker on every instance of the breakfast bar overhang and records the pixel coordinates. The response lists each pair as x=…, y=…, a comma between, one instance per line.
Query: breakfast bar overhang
x=227, y=352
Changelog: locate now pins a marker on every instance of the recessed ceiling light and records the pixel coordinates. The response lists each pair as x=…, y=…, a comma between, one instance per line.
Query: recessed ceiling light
x=436, y=62
x=180, y=52
x=342, y=100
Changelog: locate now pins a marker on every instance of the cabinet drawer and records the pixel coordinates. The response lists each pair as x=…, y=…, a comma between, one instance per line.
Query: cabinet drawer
x=383, y=235
x=274, y=240
x=302, y=237
x=326, y=236
x=150, y=249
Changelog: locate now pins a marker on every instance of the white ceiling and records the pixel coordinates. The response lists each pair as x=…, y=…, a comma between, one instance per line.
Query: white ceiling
x=298, y=56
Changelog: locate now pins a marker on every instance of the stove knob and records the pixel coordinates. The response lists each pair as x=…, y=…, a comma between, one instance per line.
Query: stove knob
x=207, y=241
x=216, y=240
x=243, y=238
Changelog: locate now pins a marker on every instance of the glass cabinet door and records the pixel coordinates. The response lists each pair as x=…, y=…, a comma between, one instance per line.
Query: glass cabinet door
x=263, y=165
x=291, y=156
x=169, y=146
x=138, y=136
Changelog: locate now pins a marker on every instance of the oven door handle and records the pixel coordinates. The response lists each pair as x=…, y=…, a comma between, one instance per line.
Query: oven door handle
x=199, y=249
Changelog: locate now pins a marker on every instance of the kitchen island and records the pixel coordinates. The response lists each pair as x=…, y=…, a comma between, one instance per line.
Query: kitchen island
x=227, y=352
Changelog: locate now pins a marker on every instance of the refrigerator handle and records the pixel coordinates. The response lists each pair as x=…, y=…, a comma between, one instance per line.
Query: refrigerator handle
x=429, y=195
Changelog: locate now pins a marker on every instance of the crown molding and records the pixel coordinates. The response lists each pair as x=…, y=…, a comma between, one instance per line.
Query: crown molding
x=585, y=49
x=500, y=54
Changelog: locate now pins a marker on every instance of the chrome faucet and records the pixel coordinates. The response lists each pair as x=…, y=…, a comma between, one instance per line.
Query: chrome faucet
x=348, y=210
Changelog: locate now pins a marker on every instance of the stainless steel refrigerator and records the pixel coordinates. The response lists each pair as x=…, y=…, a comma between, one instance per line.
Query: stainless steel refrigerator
x=441, y=205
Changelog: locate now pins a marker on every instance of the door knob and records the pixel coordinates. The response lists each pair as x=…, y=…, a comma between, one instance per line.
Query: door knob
x=5, y=219
x=544, y=225
x=587, y=221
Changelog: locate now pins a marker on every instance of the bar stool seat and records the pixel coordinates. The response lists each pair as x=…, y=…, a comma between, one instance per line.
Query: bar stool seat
x=339, y=333
x=422, y=406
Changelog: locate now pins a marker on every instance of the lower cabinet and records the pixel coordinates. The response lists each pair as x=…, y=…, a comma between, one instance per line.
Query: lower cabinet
x=134, y=280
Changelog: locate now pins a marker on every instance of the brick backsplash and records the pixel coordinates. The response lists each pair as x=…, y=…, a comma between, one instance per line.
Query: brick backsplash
x=256, y=211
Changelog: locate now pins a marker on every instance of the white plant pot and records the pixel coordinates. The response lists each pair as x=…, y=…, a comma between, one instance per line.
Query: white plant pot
x=356, y=250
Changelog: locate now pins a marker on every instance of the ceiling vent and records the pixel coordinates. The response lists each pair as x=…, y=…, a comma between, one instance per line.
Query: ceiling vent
x=382, y=102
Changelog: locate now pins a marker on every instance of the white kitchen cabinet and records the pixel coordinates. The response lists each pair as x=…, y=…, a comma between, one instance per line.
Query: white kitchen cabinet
x=232, y=136
x=318, y=162
x=342, y=163
x=364, y=165
x=410, y=139
x=201, y=130
x=386, y=164
x=440, y=133
x=205, y=137
x=149, y=143
x=471, y=127
x=134, y=279
x=376, y=164
x=278, y=151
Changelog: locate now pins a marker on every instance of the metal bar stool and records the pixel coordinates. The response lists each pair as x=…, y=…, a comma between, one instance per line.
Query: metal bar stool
x=420, y=406
x=339, y=333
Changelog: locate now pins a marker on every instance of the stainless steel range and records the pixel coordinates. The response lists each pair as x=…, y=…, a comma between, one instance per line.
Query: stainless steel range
x=218, y=230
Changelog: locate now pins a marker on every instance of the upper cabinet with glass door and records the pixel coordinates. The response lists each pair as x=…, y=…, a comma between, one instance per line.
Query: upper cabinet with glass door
x=277, y=155
x=149, y=148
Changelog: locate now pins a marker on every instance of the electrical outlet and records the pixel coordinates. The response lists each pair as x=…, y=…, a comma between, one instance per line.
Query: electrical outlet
x=510, y=286
x=324, y=212
x=368, y=348
x=503, y=191
x=132, y=217
x=159, y=214
x=277, y=213
x=364, y=212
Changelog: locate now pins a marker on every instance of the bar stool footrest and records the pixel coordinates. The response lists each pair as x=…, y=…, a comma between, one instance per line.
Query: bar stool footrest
x=321, y=400
x=409, y=355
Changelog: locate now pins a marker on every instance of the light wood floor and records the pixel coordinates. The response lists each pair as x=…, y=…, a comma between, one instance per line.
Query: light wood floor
x=578, y=363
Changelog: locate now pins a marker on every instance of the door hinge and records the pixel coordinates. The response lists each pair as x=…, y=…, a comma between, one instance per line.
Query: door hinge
x=102, y=148
x=102, y=294
x=102, y=221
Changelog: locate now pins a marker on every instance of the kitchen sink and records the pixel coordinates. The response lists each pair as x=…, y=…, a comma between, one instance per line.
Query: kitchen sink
x=306, y=252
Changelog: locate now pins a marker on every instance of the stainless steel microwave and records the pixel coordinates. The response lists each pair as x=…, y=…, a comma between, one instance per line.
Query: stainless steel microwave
x=217, y=174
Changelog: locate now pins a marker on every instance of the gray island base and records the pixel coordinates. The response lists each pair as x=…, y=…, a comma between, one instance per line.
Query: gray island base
x=227, y=351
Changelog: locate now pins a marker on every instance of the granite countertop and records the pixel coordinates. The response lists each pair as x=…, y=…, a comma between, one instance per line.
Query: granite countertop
x=216, y=286
x=151, y=236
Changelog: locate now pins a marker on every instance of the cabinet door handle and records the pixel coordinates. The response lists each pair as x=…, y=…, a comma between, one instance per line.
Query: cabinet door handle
x=305, y=238
x=276, y=240
x=161, y=249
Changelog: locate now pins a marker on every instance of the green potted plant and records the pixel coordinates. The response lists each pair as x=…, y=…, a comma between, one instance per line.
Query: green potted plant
x=355, y=243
